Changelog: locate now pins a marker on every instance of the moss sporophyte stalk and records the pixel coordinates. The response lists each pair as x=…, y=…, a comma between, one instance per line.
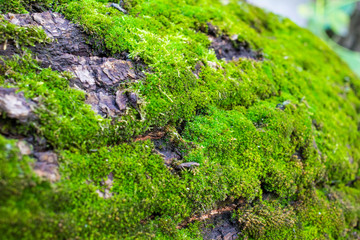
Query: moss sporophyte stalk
x=274, y=130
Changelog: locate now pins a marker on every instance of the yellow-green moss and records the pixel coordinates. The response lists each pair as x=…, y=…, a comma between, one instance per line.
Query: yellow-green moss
x=23, y=6
x=245, y=145
x=20, y=36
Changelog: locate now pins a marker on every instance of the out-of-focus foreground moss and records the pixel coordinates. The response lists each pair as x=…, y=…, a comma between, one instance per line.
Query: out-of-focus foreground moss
x=246, y=146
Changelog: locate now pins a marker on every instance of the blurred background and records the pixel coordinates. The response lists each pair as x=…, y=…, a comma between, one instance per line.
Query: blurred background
x=335, y=21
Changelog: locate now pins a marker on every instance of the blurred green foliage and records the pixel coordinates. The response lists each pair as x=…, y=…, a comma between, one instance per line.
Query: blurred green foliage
x=335, y=15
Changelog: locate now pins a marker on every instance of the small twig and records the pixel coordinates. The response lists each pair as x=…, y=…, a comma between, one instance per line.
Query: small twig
x=210, y=214
x=165, y=94
x=118, y=7
x=152, y=135
x=5, y=44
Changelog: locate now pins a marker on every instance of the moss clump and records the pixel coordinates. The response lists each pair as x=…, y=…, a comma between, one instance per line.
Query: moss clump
x=29, y=207
x=21, y=36
x=56, y=103
x=267, y=220
x=304, y=153
x=24, y=6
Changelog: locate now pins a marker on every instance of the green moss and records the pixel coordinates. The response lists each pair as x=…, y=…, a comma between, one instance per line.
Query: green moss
x=12, y=6
x=247, y=147
x=28, y=206
x=57, y=103
x=23, y=6
x=21, y=36
x=321, y=218
x=267, y=220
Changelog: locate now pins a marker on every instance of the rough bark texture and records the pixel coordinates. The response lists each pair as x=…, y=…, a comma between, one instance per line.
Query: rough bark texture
x=20, y=110
x=14, y=105
x=225, y=228
x=69, y=51
x=230, y=143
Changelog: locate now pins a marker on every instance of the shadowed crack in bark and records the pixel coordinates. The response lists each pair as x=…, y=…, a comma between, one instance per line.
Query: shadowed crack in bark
x=167, y=143
x=230, y=48
x=163, y=146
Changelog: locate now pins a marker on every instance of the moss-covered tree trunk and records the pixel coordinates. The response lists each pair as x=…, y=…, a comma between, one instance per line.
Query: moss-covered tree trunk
x=173, y=119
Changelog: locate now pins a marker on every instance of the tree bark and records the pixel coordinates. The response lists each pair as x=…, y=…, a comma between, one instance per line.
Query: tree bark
x=352, y=40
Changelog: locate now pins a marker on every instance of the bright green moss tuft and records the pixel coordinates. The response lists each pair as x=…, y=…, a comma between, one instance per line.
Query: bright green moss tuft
x=14, y=6
x=57, y=103
x=29, y=208
x=21, y=36
x=268, y=220
x=23, y=6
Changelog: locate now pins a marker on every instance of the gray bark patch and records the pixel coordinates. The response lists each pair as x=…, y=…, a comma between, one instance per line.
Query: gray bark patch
x=47, y=166
x=225, y=228
x=230, y=48
x=99, y=76
x=15, y=106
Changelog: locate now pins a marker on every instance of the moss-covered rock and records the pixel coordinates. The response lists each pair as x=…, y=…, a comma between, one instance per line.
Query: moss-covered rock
x=276, y=126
